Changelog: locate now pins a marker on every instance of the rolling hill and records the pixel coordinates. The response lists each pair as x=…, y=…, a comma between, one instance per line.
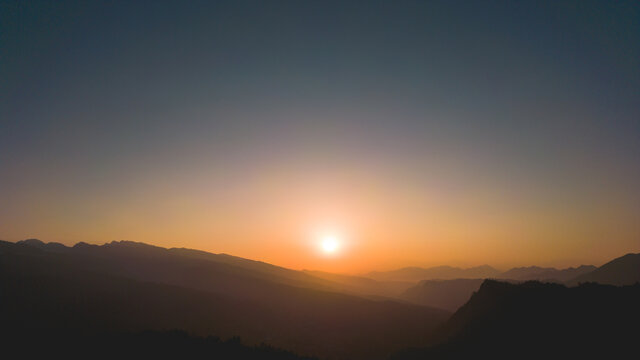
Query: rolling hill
x=208, y=271
x=134, y=287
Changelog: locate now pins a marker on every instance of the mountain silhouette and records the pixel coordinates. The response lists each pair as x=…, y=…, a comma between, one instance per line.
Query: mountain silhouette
x=415, y=274
x=545, y=274
x=539, y=320
x=444, y=294
x=136, y=287
x=364, y=285
x=624, y=270
x=110, y=296
x=208, y=271
x=51, y=246
x=451, y=294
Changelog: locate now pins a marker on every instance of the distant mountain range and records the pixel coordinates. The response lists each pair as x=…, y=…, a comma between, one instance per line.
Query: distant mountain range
x=545, y=274
x=451, y=294
x=415, y=274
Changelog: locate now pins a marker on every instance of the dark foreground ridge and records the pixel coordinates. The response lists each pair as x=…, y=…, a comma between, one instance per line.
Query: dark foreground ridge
x=539, y=320
x=624, y=270
x=140, y=345
x=135, y=287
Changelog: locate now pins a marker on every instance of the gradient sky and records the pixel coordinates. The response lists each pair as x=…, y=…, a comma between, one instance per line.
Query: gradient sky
x=422, y=133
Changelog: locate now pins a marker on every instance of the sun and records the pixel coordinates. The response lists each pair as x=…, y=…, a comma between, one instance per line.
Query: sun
x=330, y=244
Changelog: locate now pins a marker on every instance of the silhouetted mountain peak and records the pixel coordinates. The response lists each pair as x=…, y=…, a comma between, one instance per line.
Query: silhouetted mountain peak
x=532, y=268
x=627, y=257
x=484, y=267
x=132, y=244
x=84, y=245
x=32, y=242
x=536, y=320
x=489, y=286
x=127, y=247
x=515, y=272
x=39, y=244
x=545, y=273
x=624, y=270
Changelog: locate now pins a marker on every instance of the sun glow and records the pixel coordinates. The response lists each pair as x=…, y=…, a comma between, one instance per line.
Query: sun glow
x=330, y=244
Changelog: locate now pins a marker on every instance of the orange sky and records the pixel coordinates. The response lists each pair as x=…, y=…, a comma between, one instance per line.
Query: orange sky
x=387, y=221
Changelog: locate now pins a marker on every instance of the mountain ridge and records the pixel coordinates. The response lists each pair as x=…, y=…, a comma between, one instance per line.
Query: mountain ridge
x=538, y=320
x=624, y=270
x=443, y=272
x=79, y=289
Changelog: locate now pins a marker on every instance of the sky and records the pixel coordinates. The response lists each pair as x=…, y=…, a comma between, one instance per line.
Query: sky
x=416, y=133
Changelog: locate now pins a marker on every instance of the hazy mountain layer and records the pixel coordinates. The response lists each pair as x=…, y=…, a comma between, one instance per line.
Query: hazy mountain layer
x=545, y=274
x=415, y=274
x=444, y=294
x=364, y=285
x=451, y=294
